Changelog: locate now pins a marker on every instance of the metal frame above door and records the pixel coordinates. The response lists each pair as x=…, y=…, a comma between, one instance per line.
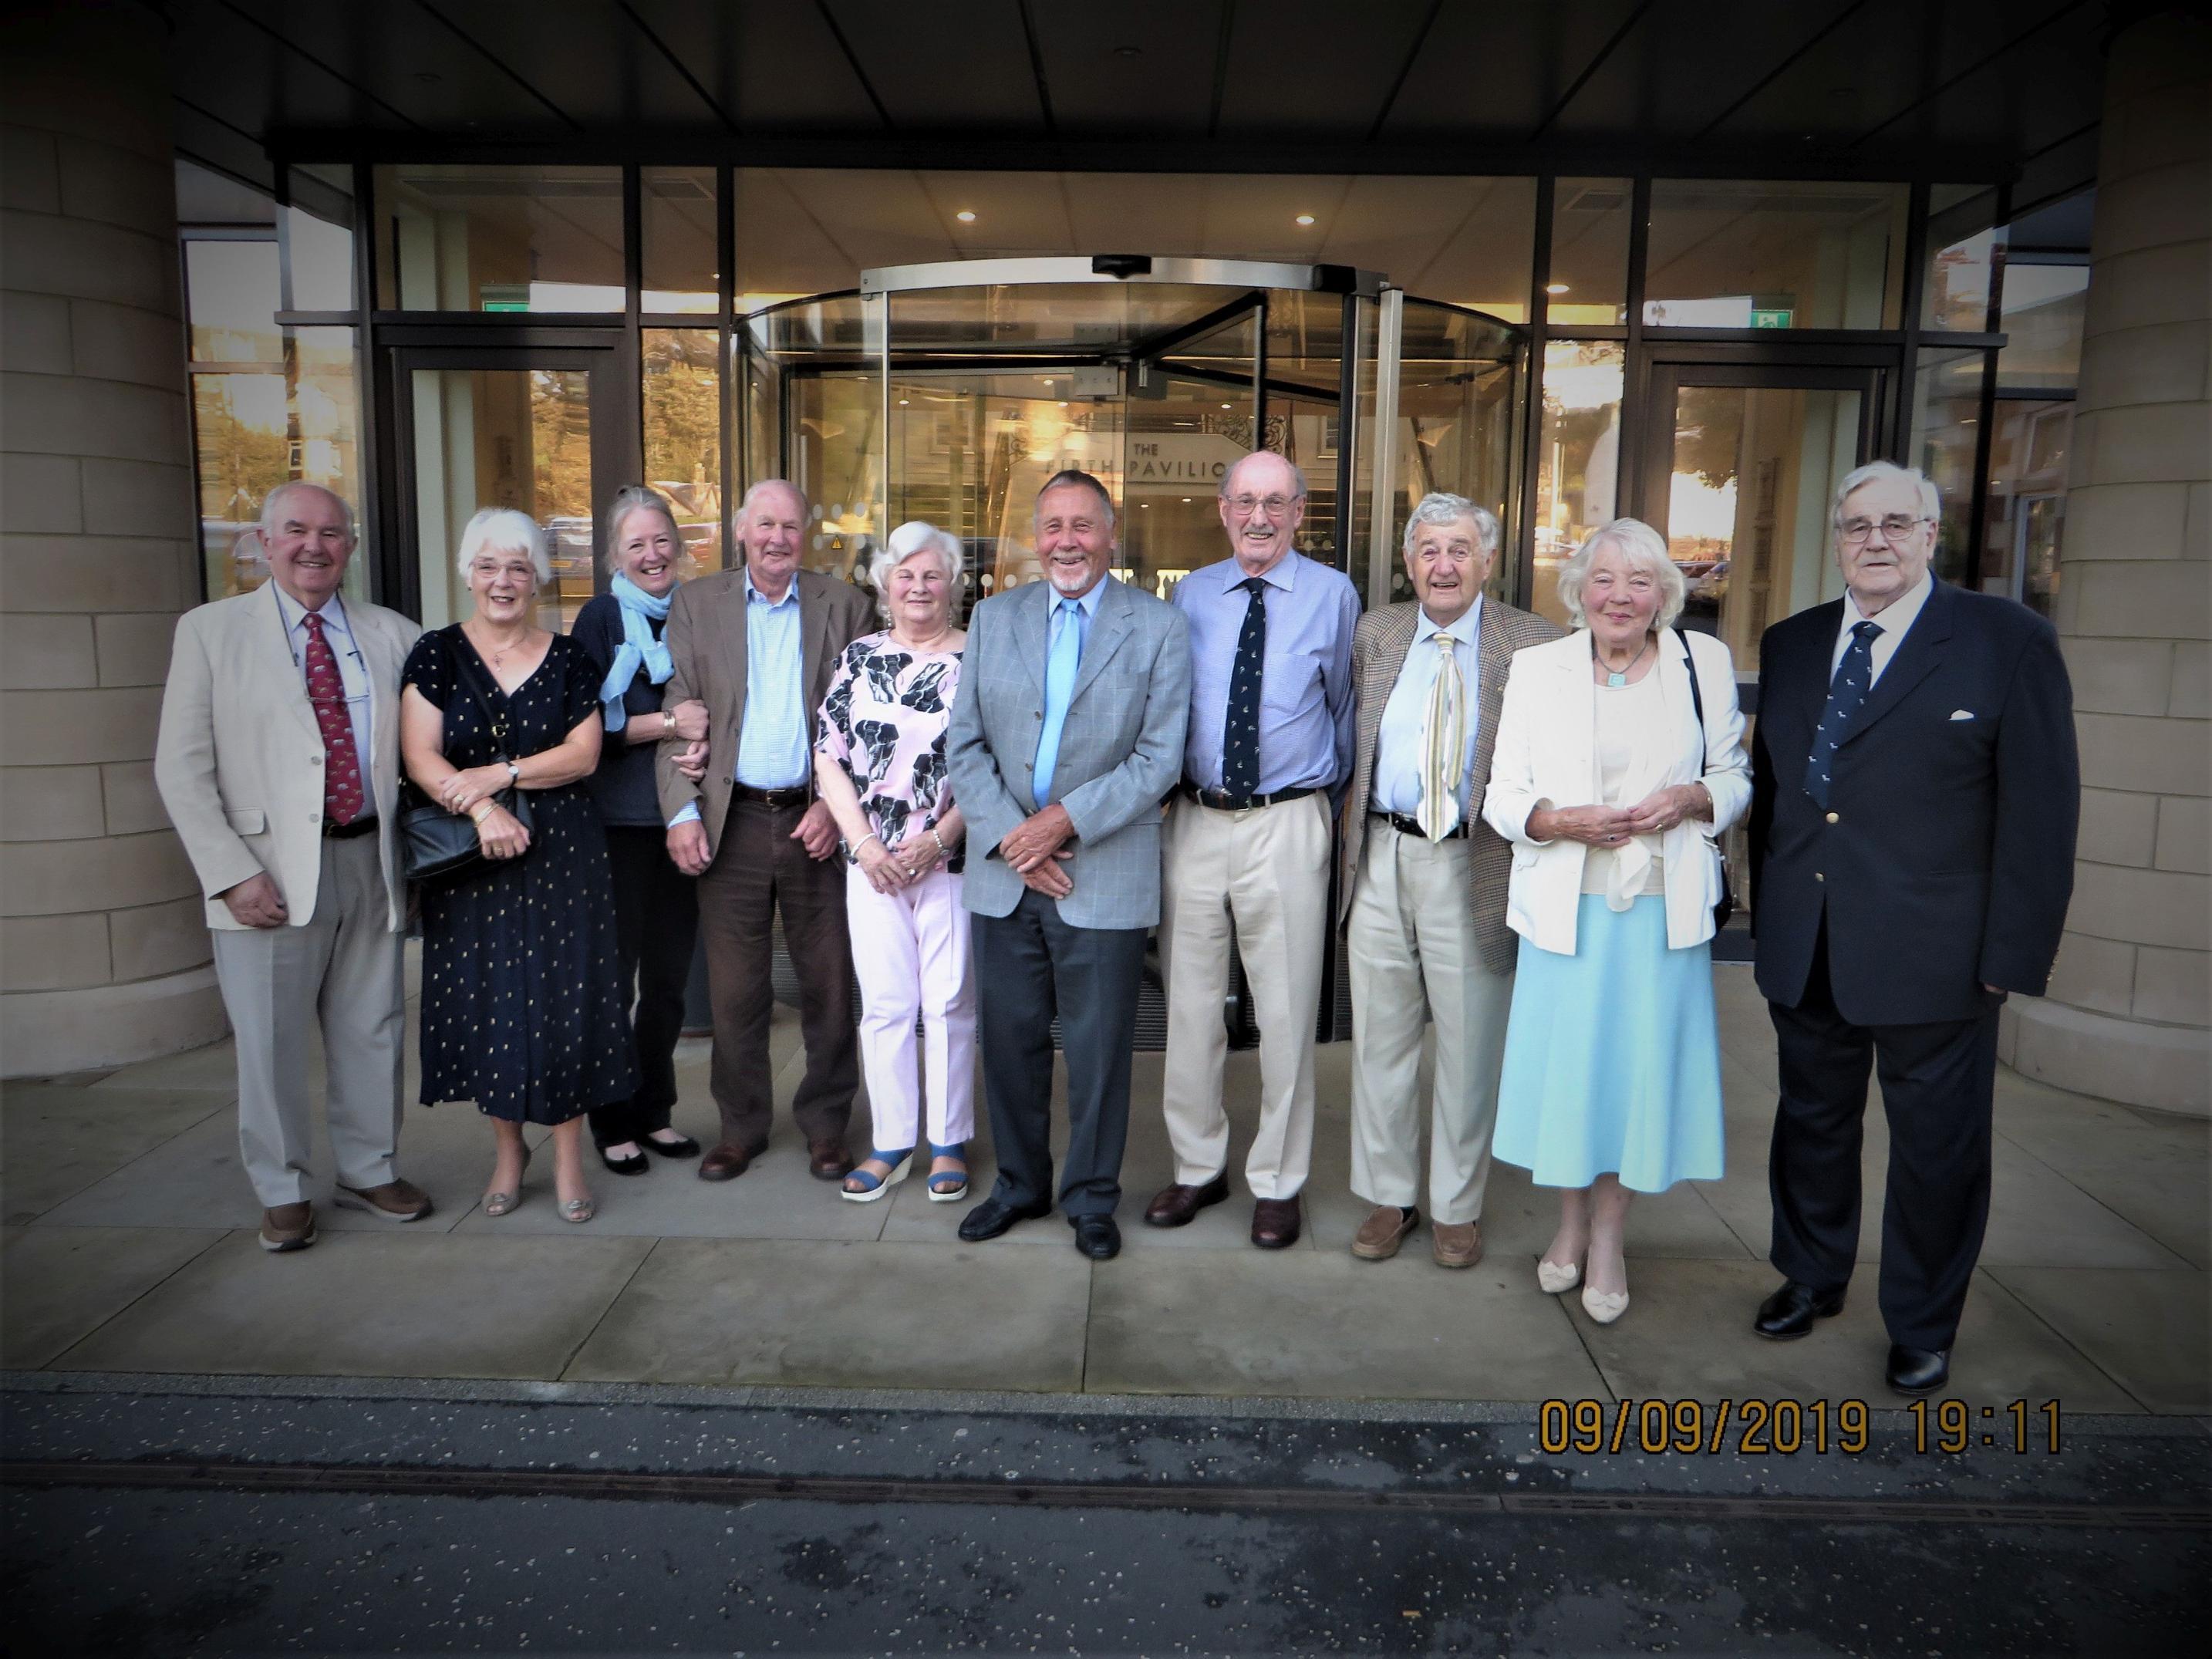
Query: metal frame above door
x=1659, y=377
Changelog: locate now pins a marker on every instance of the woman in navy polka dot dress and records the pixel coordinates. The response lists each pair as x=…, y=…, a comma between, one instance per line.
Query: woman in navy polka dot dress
x=522, y=1007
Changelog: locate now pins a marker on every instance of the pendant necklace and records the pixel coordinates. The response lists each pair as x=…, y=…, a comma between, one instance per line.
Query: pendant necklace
x=1614, y=679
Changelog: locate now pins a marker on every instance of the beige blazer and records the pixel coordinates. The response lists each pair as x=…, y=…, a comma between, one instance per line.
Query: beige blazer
x=239, y=758
x=1379, y=645
x=1547, y=754
x=706, y=639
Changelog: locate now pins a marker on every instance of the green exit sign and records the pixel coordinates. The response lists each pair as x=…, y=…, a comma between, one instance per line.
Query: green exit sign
x=1770, y=319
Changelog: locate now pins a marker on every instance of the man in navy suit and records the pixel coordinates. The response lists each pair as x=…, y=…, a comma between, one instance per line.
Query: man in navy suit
x=1915, y=792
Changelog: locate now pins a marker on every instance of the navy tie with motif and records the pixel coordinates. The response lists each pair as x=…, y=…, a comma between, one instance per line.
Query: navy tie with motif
x=1847, y=694
x=1240, y=732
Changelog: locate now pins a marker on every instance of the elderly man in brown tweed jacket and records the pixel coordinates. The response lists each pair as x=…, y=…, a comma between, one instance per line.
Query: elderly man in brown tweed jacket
x=1425, y=882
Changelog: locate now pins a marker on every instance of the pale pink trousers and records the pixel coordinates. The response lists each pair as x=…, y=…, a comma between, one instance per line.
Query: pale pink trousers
x=911, y=955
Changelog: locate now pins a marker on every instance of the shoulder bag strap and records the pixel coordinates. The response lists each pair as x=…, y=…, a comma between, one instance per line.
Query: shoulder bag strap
x=1697, y=700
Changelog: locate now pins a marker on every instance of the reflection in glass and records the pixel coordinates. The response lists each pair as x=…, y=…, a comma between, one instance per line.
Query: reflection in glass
x=678, y=228
x=1457, y=412
x=1947, y=399
x=2026, y=512
x=1578, y=461
x=523, y=238
x=1965, y=248
x=683, y=406
x=319, y=238
x=233, y=293
x=2042, y=317
x=1726, y=254
x=1589, y=282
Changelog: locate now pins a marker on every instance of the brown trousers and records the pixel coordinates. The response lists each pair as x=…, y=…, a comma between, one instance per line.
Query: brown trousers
x=759, y=870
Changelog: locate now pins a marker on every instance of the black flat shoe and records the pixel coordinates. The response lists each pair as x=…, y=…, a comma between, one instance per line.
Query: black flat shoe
x=1097, y=1237
x=682, y=1146
x=992, y=1217
x=1917, y=1370
x=635, y=1164
x=1790, y=1312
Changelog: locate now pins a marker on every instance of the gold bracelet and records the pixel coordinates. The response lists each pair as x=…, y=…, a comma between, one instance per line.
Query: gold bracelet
x=476, y=818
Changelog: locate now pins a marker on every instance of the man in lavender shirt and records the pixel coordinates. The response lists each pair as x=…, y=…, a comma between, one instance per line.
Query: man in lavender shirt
x=1269, y=749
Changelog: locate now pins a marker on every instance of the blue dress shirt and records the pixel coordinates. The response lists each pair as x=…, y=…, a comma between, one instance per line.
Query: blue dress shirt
x=353, y=674
x=1066, y=615
x=772, y=751
x=1397, y=783
x=1305, y=684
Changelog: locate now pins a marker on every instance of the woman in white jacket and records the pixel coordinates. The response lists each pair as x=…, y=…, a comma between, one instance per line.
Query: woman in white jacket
x=1613, y=792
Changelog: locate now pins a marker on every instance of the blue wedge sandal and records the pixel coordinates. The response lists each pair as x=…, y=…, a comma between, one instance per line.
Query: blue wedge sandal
x=878, y=1186
x=949, y=1186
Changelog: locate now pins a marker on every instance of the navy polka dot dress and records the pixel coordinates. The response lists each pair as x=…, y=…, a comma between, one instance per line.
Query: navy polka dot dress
x=522, y=1008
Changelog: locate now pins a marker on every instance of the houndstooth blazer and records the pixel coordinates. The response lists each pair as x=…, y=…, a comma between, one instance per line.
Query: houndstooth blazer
x=1378, y=653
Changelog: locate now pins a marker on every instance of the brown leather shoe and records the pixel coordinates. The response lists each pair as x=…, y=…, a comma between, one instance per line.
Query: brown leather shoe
x=1177, y=1205
x=725, y=1162
x=288, y=1226
x=1455, y=1243
x=395, y=1200
x=827, y=1160
x=1382, y=1232
x=1275, y=1223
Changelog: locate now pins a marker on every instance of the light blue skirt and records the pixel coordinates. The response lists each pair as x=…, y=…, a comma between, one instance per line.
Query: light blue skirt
x=1612, y=1061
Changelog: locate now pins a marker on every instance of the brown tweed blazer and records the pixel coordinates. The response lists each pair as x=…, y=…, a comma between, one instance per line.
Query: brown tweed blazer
x=1378, y=652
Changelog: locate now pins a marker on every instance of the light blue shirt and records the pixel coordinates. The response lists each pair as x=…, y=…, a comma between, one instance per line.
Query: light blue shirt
x=353, y=673
x=772, y=751
x=1059, y=689
x=1397, y=784
x=1305, y=683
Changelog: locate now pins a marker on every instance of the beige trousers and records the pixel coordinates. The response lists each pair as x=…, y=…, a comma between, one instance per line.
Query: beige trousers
x=341, y=970
x=1267, y=871
x=1413, y=948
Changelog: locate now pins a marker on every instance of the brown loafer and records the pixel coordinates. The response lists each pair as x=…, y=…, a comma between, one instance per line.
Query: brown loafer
x=827, y=1160
x=1175, y=1206
x=1275, y=1223
x=288, y=1226
x=1455, y=1243
x=725, y=1163
x=1382, y=1232
x=395, y=1200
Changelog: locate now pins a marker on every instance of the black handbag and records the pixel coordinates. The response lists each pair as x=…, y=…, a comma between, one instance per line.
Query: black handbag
x=1725, y=907
x=436, y=846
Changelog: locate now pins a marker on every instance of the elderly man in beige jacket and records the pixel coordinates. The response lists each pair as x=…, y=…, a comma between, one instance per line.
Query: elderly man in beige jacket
x=279, y=763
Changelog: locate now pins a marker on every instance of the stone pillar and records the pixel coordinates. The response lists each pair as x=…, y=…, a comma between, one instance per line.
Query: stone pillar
x=2127, y=1013
x=103, y=952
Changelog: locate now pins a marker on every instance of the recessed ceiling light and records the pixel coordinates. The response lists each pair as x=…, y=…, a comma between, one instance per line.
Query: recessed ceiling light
x=1129, y=51
x=902, y=403
x=965, y=216
x=1555, y=287
x=1185, y=501
x=1063, y=404
x=1228, y=406
x=1306, y=218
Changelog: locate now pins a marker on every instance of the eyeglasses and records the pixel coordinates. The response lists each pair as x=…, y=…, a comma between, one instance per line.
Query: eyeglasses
x=1895, y=527
x=1244, y=507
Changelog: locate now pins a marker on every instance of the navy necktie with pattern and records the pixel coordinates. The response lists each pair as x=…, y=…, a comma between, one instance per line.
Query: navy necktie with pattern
x=1847, y=694
x=1240, y=732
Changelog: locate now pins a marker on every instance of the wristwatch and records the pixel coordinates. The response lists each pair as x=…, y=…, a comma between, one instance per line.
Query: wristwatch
x=513, y=775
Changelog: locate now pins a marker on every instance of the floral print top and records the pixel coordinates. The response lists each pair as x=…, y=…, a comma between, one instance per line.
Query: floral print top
x=884, y=721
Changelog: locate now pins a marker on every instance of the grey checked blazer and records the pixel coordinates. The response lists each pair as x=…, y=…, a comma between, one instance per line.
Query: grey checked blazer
x=1120, y=752
x=1379, y=645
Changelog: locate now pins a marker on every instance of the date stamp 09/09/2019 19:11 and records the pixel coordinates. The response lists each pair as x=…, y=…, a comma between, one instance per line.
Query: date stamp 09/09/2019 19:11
x=1761, y=1428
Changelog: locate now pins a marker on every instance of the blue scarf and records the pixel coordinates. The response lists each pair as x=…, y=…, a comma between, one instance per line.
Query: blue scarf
x=639, y=648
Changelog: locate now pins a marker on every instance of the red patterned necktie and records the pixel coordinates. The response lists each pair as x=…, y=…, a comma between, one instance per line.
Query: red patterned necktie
x=342, y=788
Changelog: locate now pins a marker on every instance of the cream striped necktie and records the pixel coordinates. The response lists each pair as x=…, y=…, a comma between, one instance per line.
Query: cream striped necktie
x=1444, y=743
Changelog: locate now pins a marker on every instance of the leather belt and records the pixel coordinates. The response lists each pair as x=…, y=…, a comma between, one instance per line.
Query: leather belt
x=347, y=831
x=797, y=795
x=1406, y=826
x=1222, y=802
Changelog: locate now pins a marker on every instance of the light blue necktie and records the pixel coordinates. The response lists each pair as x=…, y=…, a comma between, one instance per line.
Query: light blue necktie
x=1060, y=666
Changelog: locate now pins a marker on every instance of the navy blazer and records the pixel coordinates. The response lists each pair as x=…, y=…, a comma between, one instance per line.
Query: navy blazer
x=1945, y=859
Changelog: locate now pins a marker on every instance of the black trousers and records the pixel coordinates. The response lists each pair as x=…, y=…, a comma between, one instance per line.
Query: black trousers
x=1028, y=965
x=656, y=925
x=1937, y=1083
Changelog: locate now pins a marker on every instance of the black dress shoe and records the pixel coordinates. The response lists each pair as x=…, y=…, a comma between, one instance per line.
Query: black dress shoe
x=682, y=1146
x=1917, y=1370
x=635, y=1164
x=995, y=1216
x=1097, y=1237
x=1791, y=1311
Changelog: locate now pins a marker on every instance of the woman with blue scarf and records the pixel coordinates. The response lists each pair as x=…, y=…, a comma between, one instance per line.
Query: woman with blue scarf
x=656, y=908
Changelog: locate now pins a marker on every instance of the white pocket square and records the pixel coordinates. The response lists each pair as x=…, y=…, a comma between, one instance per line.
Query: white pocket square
x=1962, y=713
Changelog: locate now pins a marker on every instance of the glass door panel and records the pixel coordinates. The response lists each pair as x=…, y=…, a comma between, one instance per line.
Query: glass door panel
x=1194, y=411
x=1459, y=409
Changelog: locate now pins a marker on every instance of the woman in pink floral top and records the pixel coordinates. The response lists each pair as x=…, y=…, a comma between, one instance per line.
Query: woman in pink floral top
x=880, y=767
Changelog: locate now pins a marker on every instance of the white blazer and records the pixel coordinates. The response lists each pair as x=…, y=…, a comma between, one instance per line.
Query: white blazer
x=1546, y=756
x=239, y=758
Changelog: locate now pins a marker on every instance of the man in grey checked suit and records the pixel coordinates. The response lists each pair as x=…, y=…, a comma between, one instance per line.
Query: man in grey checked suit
x=1066, y=736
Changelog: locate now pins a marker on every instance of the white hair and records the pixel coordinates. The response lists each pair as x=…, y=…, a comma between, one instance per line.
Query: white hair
x=504, y=529
x=1931, y=503
x=1642, y=547
x=629, y=499
x=1440, y=507
x=910, y=540
x=269, y=503
x=753, y=491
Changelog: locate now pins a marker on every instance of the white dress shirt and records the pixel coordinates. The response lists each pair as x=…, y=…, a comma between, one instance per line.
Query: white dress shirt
x=1397, y=783
x=353, y=674
x=1895, y=620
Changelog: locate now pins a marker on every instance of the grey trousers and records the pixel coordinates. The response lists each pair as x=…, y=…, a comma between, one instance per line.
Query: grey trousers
x=342, y=969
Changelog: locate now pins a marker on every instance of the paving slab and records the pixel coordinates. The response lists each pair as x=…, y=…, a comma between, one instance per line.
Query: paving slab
x=57, y=1141
x=850, y=1315
x=370, y=1304
x=1688, y=1335
x=59, y=1284
x=2152, y=1331
x=212, y=1065
x=2153, y=1169
x=1322, y=1324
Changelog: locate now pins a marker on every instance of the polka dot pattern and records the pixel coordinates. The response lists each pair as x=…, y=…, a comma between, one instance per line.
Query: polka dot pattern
x=343, y=797
x=1240, y=731
x=1847, y=695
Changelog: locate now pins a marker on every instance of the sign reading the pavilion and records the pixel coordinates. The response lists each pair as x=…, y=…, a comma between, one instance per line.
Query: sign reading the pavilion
x=1178, y=463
